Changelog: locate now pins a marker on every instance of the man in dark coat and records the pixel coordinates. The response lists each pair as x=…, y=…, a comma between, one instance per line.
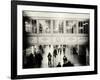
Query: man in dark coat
x=30, y=59
x=38, y=58
x=49, y=59
x=55, y=53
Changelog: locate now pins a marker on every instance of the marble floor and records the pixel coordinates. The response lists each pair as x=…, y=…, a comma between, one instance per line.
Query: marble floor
x=73, y=58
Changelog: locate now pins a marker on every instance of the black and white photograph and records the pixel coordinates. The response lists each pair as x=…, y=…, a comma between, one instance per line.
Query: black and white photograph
x=53, y=39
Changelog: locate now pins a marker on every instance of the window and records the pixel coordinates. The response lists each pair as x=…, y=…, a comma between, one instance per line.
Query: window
x=83, y=26
x=30, y=26
x=70, y=26
x=44, y=26
x=58, y=26
x=34, y=26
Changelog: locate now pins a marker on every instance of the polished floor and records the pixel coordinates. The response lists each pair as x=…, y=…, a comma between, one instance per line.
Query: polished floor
x=73, y=58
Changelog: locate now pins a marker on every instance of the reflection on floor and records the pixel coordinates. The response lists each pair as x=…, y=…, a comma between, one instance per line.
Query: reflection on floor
x=34, y=60
x=73, y=58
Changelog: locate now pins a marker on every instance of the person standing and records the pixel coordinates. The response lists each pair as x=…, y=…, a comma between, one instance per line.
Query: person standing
x=54, y=56
x=55, y=52
x=30, y=61
x=49, y=59
x=38, y=58
x=64, y=49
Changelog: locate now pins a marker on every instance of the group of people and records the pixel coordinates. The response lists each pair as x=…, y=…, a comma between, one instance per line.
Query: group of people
x=66, y=62
x=34, y=60
x=58, y=57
